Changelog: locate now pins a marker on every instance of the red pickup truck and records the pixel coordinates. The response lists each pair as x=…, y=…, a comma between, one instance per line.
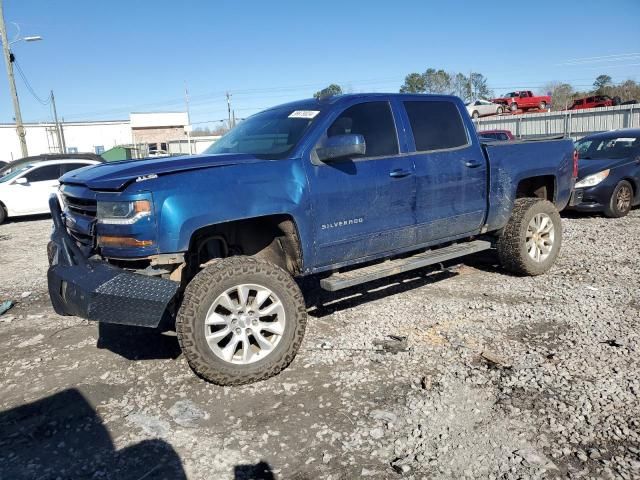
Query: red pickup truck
x=595, y=101
x=523, y=100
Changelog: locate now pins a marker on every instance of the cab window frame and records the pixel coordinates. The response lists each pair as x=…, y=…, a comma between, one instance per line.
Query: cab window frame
x=436, y=150
x=323, y=136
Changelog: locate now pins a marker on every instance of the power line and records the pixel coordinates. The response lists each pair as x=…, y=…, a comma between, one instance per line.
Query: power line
x=28, y=85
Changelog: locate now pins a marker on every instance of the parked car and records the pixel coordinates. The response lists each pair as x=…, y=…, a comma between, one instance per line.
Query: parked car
x=330, y=187
x=14, y=165
x=482, y=108
x=523, y=100
x=608, y=173
x=501, y=135
x=27, y=188
x=595, y=101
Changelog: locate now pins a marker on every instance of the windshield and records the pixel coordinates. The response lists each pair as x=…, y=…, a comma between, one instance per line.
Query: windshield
x=615, y=147
x=15, y=173
x=271, y=134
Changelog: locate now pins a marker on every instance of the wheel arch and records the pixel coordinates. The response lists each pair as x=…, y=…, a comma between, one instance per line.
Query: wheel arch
x=273, y=237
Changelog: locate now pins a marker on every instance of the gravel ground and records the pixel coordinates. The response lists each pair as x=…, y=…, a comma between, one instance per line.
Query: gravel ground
x=498, y=377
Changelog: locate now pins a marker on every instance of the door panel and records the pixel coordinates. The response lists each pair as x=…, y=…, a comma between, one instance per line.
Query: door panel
x=363, y=206
x=451, y=173
x=43, y=181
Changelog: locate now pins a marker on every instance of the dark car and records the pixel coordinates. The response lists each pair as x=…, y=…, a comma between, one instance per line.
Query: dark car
x=501, y=135
x=608, y=172
x=11, y=166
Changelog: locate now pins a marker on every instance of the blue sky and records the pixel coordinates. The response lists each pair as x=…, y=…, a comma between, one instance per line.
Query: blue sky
x=107, y=58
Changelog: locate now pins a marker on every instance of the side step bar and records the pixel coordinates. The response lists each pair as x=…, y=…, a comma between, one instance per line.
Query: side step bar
x=340, y=280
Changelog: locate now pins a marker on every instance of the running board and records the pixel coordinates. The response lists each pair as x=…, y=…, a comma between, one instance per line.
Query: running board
x=340, y=280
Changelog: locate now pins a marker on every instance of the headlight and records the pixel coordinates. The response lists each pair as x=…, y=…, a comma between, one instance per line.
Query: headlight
x=593, y=180
x=123, y=213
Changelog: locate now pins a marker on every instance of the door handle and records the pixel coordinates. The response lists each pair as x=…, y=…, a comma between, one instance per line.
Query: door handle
x=472, y=164
x=399, y=173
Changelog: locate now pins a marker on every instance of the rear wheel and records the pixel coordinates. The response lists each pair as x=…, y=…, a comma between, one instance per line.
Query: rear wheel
x=242, y=320
x=620, y=201
x=475, y=114
x=531, y=240
x=499, y=110
x=543, y=105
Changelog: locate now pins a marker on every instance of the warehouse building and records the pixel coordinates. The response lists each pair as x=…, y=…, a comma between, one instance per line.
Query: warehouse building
x=147, y=133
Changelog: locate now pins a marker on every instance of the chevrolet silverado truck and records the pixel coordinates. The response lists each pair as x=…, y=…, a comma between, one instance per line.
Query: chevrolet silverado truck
x=523, y=100
x=347, y=189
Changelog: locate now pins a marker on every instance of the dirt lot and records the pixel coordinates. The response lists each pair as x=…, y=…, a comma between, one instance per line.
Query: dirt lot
x=558, y=395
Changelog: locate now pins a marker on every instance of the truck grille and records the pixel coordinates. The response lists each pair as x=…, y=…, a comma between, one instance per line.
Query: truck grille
x=81, y=206
x=79, y=218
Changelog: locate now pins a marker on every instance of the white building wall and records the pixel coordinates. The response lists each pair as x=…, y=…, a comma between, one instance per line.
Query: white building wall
x=85, y=136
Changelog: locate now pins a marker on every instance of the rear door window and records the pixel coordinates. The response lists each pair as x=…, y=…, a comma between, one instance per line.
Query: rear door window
x=436, y=125
x=372, y=120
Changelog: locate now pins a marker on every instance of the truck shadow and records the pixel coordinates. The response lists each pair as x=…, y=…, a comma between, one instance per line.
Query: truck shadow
x=137, y=343
x=62, y=436
x=321, y=303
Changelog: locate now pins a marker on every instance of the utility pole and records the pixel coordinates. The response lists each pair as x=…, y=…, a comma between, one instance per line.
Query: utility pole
x=229, y=110
x=8, y=58
x=188, y=128
x=61, y=142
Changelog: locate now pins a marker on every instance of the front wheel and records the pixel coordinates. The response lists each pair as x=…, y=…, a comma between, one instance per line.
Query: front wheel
x=531, y=240
x=242, y=320
x=543, y=105
x=499, y=110
x=620, y=202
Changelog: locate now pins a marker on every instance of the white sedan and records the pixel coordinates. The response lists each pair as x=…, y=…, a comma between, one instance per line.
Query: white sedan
x=26, y=190
x=481, y=108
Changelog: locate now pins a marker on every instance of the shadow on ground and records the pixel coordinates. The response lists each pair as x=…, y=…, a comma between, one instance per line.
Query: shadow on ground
x=137, y=343
x=62, y=436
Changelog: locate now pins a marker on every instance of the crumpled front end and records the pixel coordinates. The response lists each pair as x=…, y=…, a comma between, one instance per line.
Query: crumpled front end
x=96, y=290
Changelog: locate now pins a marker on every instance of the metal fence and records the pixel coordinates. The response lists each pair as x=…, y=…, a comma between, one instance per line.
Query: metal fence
x=572, y=123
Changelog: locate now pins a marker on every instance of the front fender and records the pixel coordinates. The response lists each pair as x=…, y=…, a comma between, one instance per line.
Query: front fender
x=190, y=201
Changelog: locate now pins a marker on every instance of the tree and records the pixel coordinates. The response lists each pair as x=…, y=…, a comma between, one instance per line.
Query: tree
x=329, y=91
x=478, y=86
x=414, y=83
x=601, y=83
x=562, y=94
x=437, y=81
x=461, y=87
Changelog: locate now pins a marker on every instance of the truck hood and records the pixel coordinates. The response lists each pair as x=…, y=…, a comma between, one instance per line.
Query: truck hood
x=588, y=167
x=117, y=175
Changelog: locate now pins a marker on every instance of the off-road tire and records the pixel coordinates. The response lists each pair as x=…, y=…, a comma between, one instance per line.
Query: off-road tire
x=542, y=106
x=3, y=214
x=613, y=210
x=475, y=115
x=499, y=111
x=201, y=293
x=511, y=245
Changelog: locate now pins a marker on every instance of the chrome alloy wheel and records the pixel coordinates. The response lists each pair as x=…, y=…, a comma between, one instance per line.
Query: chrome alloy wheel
x=244, y=324
x=623, y=198
x=540, y=237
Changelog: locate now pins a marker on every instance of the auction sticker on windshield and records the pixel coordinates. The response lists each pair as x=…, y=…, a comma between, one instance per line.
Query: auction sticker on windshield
x=304, y=114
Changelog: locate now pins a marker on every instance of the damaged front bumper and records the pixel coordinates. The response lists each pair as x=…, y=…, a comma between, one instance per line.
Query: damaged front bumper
x=98, y=291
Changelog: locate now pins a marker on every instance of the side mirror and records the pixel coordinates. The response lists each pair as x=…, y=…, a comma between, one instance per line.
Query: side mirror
x=341, y=146
x=21, y=181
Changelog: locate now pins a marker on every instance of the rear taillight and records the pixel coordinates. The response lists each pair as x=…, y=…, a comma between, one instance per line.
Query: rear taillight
x=575, y=164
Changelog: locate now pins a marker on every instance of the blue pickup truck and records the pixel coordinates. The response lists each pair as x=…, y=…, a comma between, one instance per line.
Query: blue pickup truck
x=348, y=189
